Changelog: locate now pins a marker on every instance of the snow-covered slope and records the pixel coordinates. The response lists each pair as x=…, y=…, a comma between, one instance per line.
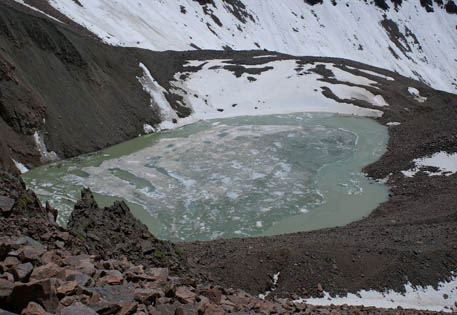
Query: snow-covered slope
x=406, y=39
x=220, y=89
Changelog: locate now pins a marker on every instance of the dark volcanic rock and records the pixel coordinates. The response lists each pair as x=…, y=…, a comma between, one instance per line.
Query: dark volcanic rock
x=113, y=232
x=451, y=7
x=427, y=4
x=381, y=4
x=313, y=2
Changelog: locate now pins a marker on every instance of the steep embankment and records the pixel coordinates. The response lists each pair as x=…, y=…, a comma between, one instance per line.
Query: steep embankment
x=414, y=38
x=72, y=92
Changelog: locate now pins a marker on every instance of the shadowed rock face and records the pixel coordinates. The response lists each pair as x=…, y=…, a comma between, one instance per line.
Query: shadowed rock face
x=451, y=7
x=113, y=232
x=62, y=75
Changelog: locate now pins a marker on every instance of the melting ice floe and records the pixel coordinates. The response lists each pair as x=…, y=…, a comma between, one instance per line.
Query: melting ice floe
x=235, y=177
x=442, y=299
x=445, y=162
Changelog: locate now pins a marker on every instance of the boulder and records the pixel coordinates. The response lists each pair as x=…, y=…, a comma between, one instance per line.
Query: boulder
x=6, y=288
x=110, y=277
x=21, y=272
x=203, y=304
x=147, y=296
x=68, y=288
x=54, y=256
x=130, y=276
x=34, y=309
x=214, y=310
x=7, y=276
x=50, y=270
x=29, y=253
x=82, y=279
x=5, y=247
x=81, y=263
x=77, y=309
x=214, y=294
x=185, y=295
x=11, y=261
x=170, y=288
x=106, y=307
x=42, y=292
x=128, y=308
x=68, y=300
x=6, y=205
x=160, y=274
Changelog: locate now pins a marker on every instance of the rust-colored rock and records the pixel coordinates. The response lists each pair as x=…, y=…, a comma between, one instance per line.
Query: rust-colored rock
x=185, y=295
x=111, y=277
x=30, y=253
x=34, y=309
x=68, y=288
x=50, y=270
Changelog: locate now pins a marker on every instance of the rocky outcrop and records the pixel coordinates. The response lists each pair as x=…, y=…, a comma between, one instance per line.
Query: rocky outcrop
x=67, y=89
x=113, y=232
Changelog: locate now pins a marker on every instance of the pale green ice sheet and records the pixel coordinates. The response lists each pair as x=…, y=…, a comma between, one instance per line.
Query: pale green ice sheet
x=234, y=177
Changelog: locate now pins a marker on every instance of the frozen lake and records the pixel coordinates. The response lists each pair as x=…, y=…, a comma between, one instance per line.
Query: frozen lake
x=234, y=177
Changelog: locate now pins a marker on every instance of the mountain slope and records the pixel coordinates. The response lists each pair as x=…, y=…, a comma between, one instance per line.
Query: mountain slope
x=406, y=37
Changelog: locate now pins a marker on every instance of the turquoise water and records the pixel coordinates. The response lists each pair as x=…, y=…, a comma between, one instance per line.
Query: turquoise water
x=234, y=177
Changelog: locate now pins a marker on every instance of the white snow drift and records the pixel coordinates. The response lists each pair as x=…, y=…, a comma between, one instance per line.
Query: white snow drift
x=442, y=299
x=352, y=29
x=445, y=162
x=217, y=92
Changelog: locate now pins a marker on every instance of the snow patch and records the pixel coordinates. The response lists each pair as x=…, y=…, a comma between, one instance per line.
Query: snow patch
x=215, y=92
x=393, y=123
x=41, y=146
x=148, y=129
x=275, y=284
x=158, y=99
x=376, y=74
x=37, y=10
x=420, y=298
x=358, y=35
x=21, y=167
x=415, y=93
x=356, y=93
x=445, y=162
